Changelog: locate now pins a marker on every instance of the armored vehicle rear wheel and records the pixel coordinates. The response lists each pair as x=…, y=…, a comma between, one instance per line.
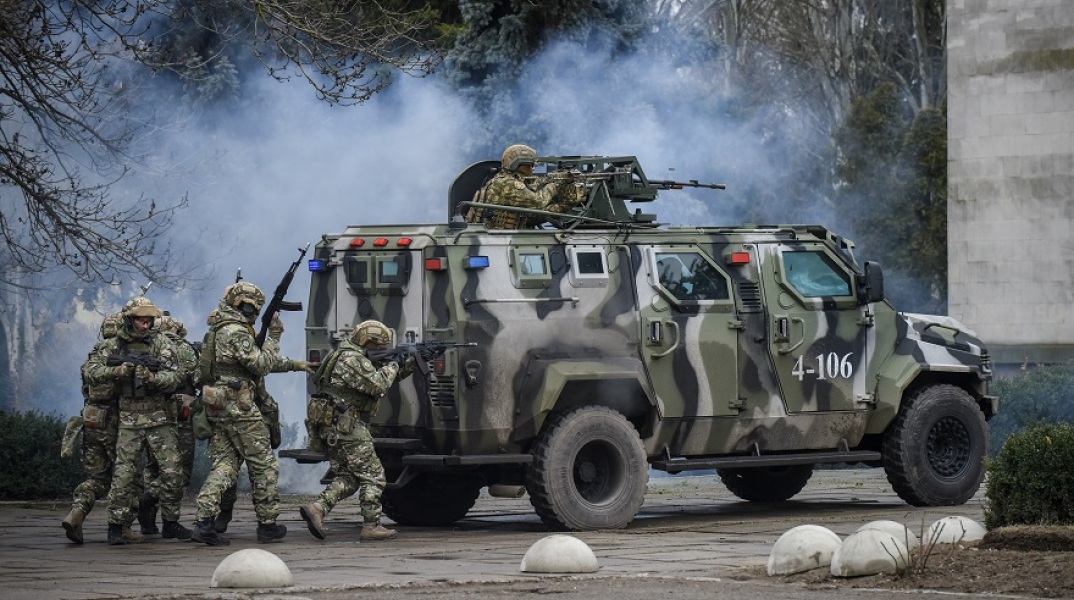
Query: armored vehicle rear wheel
x=432, y=499
x=934, y=450
x=766, y=484
x=589, y=470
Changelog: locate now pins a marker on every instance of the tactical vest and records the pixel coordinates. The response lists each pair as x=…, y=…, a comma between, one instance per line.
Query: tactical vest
x=211, y=371
x=131, y=399
x=492, y=218
x=351, y=397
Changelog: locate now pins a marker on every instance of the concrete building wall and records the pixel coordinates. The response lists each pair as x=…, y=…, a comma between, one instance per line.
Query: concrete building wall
x=1011, y=175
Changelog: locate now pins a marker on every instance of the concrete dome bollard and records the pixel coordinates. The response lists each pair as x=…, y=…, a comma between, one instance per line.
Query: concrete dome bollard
x=952, y=530
x=900, y=531
x=559, y=554
x=252, y=568
x=802, y=548
x=869, y=552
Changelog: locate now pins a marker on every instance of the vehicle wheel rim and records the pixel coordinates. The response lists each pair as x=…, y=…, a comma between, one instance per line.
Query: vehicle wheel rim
x=597, y=472
x=948, y=447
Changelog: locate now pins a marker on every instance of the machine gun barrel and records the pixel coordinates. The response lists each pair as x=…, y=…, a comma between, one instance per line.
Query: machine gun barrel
x=667, y=184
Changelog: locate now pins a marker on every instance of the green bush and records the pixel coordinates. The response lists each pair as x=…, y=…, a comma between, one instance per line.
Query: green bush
x=1031, y=482
x=1044, y=394
x=30, y=453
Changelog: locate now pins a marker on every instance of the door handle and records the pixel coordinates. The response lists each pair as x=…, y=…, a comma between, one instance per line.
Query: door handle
x=784, y=331
x=673, y=329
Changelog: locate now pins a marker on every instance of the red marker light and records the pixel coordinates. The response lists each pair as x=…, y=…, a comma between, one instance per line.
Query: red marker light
x=403, y=242
x=740, y=258
x=436, y=264
x=357, y=243
x=439, y=365
x=380, y=242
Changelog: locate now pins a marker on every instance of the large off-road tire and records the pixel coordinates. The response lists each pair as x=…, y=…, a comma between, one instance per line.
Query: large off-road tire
x=934, y=450
x=432, y=499
x=589, y=470
x=766, y=484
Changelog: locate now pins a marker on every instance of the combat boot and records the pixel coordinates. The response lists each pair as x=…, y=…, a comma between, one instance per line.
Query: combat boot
x=147, y=513
x=313, y=515
x=205, y=532
x=223, y=519
x=115, y=535
x=132, y=536
x=270, y=532
x=375, y=531
x=173, y=530
x=72, y=525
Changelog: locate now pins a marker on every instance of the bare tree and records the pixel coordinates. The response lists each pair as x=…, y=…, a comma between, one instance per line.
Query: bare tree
x=346, y=50
x=71, y=122
x=65, y=138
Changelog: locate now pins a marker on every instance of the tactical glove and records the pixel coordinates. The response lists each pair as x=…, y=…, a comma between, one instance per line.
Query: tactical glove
x=145, y=374
x=122, y=371
x=275, y=329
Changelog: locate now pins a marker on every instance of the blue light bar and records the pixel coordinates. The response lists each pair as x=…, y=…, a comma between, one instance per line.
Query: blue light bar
x=316, y=264
x=477, y=262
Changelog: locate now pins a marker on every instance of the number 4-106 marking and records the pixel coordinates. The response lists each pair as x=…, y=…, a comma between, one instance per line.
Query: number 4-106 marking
x=829, y=366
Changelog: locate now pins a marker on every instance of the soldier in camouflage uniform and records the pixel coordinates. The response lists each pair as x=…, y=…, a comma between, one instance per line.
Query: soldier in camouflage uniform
x=185, y=397
x=514, y=185
x=231, y=364
x=349, y=386
x=100, y=428
x=146, y=415
x=270, y=412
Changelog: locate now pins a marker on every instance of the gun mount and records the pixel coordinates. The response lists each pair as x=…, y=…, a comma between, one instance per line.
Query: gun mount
x=610, y=182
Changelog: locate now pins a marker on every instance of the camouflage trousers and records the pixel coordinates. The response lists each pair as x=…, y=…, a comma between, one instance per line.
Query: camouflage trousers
x=357, y=469
x=232, y=443
x=98, y=460
x=152, y=481
x=162, y=444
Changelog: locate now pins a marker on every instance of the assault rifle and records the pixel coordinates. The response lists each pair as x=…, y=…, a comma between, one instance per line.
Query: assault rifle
x=148, y=361
x=278, y=303
x=423, y=352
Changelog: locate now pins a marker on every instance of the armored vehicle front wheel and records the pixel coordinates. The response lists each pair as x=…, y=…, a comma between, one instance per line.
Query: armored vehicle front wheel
x=589, y=470
x=432, y=499
x=766, y=484
x=934, y=450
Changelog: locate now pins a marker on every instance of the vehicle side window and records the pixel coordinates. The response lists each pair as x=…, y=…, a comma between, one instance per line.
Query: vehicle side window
x=814, y=275
x=689, y=277
x=532, y=264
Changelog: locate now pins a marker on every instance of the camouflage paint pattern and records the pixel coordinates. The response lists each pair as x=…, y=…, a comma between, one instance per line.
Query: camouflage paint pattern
x=763, y=343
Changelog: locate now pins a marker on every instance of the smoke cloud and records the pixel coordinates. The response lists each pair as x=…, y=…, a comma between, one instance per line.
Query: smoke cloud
x=280, y=168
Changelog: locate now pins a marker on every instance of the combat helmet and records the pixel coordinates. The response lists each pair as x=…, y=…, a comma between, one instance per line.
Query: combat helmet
x=139, y=306
x=517, y=155
x=372, y=331
x=242, y=293
x=111, y=325
x=169, y=324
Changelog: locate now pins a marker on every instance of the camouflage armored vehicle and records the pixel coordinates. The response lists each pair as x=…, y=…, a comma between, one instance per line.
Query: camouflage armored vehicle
x=606, y=344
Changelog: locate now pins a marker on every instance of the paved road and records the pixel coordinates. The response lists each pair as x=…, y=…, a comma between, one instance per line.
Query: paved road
x=690, y=531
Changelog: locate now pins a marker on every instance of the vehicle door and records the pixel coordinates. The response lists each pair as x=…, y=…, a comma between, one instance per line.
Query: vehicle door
x=819, y=336
x=687, y=341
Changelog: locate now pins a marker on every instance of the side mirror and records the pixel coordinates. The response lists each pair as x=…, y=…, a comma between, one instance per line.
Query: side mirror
x=871, y=284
